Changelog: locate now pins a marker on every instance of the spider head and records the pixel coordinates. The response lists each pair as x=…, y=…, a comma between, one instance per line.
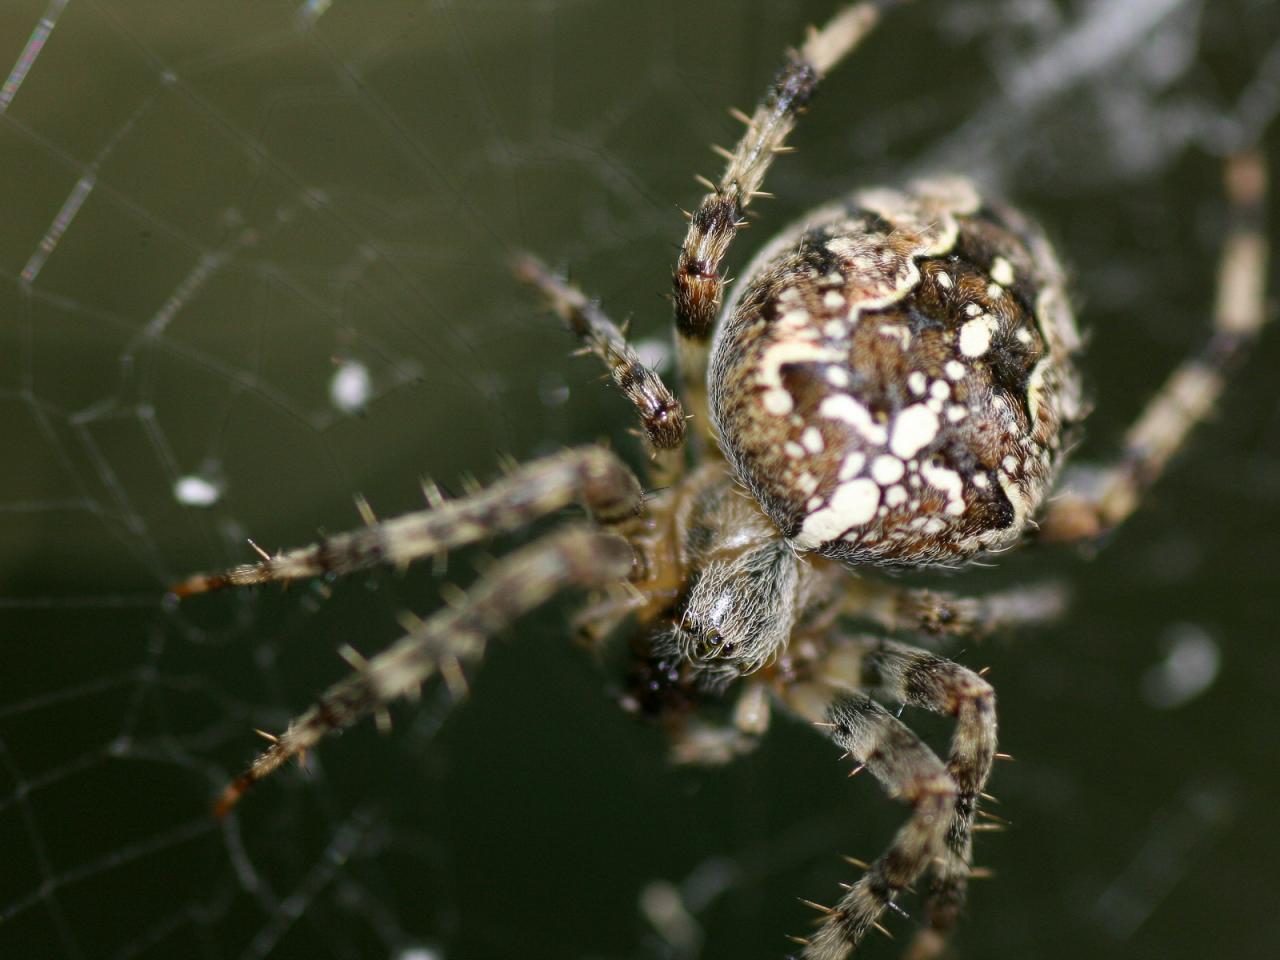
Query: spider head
x=738, y=612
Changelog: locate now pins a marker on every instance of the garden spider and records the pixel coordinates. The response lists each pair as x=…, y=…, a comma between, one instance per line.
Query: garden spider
x=892, y=384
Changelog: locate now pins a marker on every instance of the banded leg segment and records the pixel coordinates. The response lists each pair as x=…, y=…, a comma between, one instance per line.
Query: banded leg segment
x=698, y=285
x=910, y=772
x=661, y=415
x=945, y=615
x=1192, y=391
x=456, y=635
x=592, y=475
x=921, y=679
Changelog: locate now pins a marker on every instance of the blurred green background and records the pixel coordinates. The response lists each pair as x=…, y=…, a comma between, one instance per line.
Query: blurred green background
x=246, y=206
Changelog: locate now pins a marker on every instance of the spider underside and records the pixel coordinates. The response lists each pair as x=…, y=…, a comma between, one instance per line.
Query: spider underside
x=892, y=383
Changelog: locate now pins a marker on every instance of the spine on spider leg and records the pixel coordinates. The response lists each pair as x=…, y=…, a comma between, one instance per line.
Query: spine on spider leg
x=515, y=585
x=590, y=474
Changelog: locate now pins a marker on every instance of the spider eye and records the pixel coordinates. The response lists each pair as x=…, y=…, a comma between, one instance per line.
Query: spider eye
x=711, y=647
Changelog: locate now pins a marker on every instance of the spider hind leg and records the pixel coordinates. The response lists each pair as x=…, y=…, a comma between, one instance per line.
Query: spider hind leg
x=1193, y=390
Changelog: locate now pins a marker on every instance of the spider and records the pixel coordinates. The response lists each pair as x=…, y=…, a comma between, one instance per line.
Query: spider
x=892, y=384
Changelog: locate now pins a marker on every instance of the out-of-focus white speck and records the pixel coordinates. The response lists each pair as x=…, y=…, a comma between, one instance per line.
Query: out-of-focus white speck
x=654, y=353
x=553, y=391
x=418, y=952
x=662, y=905
x=351, y=386
x=197, y=491
x=1190, y=665
x=311, y=11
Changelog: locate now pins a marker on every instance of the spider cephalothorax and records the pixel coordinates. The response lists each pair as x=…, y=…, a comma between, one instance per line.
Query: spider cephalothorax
x=890, y=383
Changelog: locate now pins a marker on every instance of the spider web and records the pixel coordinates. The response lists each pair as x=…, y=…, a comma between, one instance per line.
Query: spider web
x=254, y=262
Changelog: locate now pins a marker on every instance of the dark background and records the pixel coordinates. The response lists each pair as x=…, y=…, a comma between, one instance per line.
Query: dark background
x=282, y=189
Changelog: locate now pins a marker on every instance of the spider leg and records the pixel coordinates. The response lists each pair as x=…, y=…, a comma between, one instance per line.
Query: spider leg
x=516, y=584
x=910, y=772
x=921, y=679
x=1192, y=391
x=661, y=415
x=590, y=474
x=698, y=285
x=944, y=797
x=702, y=743
x=940, y=615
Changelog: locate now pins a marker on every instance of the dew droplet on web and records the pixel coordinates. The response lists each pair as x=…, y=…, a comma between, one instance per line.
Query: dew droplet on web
x=351, y=386
x=197, y=490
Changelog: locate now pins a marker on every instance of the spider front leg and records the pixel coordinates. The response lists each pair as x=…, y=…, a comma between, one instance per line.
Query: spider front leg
x=920, y=679
x=909, y=771
x=592, y=475
x=456, y=635
x=698, y=285
x=1193, y=390
x=944, y=797
x=661, y=415
x=708, y=744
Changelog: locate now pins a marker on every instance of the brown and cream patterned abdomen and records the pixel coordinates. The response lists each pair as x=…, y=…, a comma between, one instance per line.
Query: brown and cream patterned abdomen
x=893, y=377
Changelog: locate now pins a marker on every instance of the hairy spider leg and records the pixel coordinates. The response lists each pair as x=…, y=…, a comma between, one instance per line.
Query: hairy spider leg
x=944, y=797
x=939, y=615
x=713, y=743
x=593, y=475
x=1194, y=388
x=662, y=418
x=909, y=771
x=698, y=287
x=456, y=635
x=921, y=679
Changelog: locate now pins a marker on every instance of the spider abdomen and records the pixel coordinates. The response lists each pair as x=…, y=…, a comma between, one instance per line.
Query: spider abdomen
x=892, y=379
